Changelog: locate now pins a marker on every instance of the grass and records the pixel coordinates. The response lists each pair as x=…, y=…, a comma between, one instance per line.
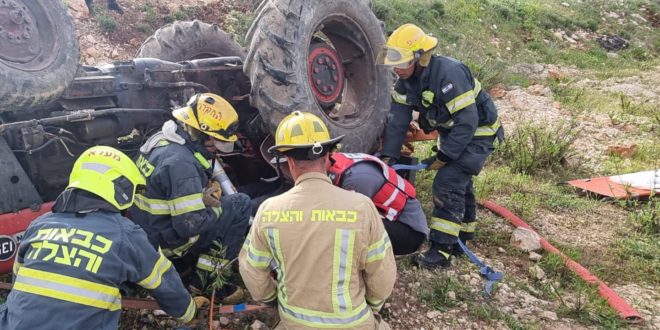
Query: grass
x=238, y=23
x=436, y=293
x=106, y=22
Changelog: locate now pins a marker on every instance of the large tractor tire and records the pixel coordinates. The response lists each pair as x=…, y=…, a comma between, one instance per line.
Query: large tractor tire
x=38, y=52
x=320, y=56
x=190, y=40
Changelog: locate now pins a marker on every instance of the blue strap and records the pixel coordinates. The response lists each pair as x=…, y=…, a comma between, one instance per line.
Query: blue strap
x=490, y=274
x=418, y=167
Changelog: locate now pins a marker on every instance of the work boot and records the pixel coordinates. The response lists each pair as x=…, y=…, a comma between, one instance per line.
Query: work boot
x=439, y=255
x=456, y=250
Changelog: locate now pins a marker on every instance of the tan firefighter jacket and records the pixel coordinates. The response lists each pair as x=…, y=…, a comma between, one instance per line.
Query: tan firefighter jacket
x=330, y=252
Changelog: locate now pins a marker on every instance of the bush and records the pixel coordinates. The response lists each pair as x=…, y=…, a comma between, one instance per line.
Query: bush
x=533, y=147
x=106, y=22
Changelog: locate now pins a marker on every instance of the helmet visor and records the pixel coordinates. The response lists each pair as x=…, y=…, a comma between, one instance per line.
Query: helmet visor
x=395, y=57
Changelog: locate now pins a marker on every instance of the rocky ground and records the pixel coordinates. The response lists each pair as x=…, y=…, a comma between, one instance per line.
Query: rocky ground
x=520, y=299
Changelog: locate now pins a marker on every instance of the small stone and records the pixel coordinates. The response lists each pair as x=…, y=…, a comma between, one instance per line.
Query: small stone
x=526, y=240
x=223, y=320
x=565, y=4
x=558, y=35
x=536, y=272
x=433, y=314
x=556, y=74
x=387, y=305
x=114, y=54
x=550, y=316
x=474, y=282
x=501, y=250
x=497, y=91
x=436, y=328
x=258, y=325
x=92, y=52
x=533, y=256
x=451, y=295
x=159, y=312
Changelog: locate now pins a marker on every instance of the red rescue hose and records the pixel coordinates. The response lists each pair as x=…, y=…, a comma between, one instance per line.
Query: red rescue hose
x=626, y=312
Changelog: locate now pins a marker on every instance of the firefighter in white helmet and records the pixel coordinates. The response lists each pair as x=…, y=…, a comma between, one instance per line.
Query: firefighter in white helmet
x=331, y=254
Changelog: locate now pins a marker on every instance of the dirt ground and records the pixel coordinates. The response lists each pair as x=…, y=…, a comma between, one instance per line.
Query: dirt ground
x=405, y=310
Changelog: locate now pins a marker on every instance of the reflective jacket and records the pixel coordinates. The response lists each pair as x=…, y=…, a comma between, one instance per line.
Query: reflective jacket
x=391, y=197
x=171, y=210
x=450, y=100
x=331, y=254
x=69, y=269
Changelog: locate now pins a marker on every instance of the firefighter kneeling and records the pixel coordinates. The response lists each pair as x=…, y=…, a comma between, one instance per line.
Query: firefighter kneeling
x=328, y=246
x=72, y=261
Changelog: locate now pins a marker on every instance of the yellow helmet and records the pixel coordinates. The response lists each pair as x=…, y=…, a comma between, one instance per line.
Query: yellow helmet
x=211, y=115
x=303, y=130
x=404, y=44
x=108, y=173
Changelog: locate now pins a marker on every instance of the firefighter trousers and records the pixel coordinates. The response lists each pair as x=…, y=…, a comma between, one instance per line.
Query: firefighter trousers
x=454, y=201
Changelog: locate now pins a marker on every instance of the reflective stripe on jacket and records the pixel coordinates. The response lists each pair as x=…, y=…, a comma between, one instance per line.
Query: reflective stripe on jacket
x=391, y=197
x=171, y=210
x=69, y=269
x=330, y=252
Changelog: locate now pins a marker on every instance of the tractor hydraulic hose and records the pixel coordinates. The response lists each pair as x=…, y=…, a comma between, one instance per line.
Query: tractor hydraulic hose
x=625, y=311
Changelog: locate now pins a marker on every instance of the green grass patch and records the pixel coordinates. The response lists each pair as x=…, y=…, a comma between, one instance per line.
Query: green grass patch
x=489, y=313
x=578, y=299
x=106, y=22
x=436, y=293
x=238, y=23
x=534, y=147
x=646, y=157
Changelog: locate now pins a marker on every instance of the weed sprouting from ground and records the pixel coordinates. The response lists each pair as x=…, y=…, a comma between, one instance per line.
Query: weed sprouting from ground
x=104, y=19
x=533, y=147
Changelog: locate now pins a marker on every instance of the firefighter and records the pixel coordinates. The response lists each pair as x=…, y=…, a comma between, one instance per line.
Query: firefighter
x=72, y=262
x=331, y=254
x=179, y=210
x=394, y=197
x=450, y=100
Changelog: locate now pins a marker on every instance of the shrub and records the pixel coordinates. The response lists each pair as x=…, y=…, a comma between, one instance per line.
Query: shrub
x=533, y=147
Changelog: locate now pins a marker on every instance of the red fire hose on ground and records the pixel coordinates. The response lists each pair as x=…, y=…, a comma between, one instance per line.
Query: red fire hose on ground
x=626, y=312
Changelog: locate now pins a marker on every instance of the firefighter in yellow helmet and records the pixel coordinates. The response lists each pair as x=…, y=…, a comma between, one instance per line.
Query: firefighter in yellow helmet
x=180, y=210
x=331, y=254
x=72, y=262
x=449, y=100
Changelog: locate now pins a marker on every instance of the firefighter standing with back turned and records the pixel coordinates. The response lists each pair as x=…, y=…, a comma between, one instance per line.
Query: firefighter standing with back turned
x=450, y=100
x=72, y=262
x=328, y=246
x=179, y=211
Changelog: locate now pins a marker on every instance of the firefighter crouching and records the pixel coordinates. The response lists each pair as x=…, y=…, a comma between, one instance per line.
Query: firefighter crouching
x=331, y=254
x=450, y=100
x=72, y=261
x=394, y=197
x=179, y=209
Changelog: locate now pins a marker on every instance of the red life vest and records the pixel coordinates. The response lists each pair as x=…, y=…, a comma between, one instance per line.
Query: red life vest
x=391, y=198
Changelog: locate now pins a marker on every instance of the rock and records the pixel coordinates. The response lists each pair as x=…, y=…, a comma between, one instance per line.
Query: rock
x=436, y=328
x=92, y=52
x=623, y=151
x=114, y=54
x=159, y=312
x=540, y=90
x=433, y=314
x=565, y=4
x=550, y=316
x=90, y=39
x=78, y=8
x=258, y=325
x=451, y=295
x=533, y=256
x=556, y=74
x=501, y=250
x=613, y=15
x=223, y=320
x=536, y=272
x=474, y=282
x=526, y=240
x=497, y=91
x=558, y=35
x=639, y=18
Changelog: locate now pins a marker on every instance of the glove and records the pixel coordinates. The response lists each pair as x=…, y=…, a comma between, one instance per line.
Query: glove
x=209, y=195
x=201, y=301
x=434, y=163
